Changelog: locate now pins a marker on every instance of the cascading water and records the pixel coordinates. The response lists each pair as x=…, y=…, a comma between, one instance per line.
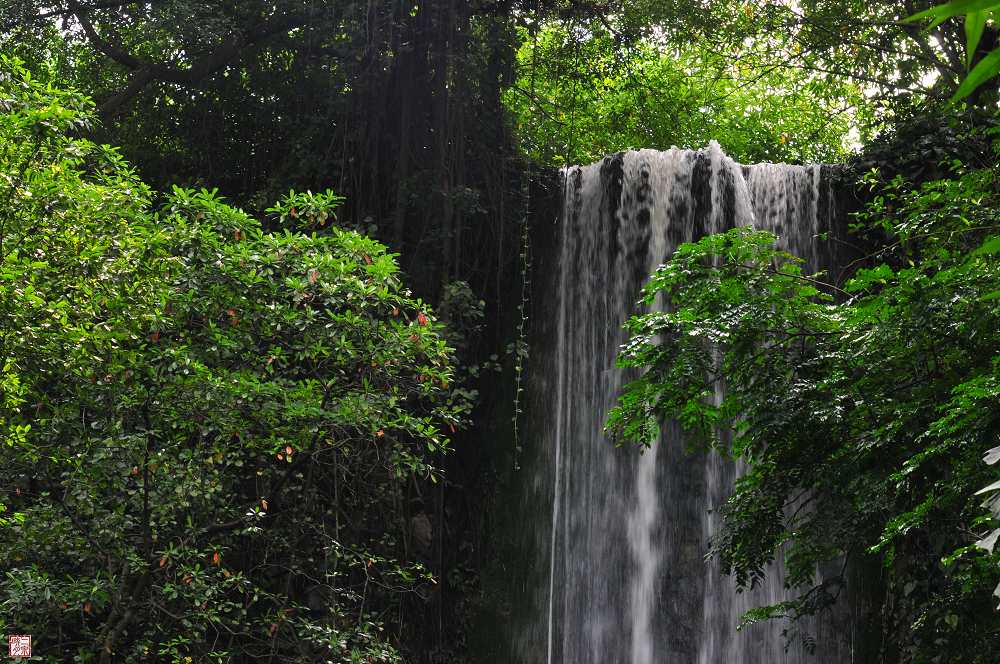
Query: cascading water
x=624, y=535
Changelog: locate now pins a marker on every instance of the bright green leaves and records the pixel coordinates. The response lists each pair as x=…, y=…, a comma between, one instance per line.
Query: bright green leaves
x=733, y=288
x=984, y=70
x=943, y=12
x=975, y=22
x=584, y=93
x=307, y=210
x=989, y=246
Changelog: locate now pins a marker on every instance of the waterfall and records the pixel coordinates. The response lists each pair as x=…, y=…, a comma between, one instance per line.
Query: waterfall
x=624, y=535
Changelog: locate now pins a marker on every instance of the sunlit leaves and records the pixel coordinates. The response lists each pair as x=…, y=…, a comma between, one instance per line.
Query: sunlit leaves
x=975, y=22
x=947, y=10
x=585, y=93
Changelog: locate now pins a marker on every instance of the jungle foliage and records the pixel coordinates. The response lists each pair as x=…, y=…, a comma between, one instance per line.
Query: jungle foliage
x=388, y=103
x=229, y=427
x=975, y=17
x=211, y=432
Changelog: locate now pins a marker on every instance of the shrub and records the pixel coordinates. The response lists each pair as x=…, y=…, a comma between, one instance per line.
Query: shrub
x=208, y=428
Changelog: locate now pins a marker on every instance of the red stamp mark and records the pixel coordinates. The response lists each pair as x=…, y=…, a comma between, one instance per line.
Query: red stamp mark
x=19, y=645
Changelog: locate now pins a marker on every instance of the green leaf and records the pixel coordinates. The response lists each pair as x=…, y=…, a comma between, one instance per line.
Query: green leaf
x=990, y=246
x=984, y=70
x=974, y=24
x=954, y=8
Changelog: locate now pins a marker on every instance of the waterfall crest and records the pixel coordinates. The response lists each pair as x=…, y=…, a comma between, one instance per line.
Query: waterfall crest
x=624, y=535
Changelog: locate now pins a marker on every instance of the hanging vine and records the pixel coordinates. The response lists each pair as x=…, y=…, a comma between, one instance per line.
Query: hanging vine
x=521, y=348
x=521, y=352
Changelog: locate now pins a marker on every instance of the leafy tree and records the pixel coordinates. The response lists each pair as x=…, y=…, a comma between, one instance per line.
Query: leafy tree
x=585, y=90
x=867, y=42
x=864, y=412
x=209, y=428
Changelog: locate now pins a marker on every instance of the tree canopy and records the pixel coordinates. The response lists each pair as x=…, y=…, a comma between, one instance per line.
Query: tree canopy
x=582, y=93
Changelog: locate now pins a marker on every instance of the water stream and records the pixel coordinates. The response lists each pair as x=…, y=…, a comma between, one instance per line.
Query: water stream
x=624, y=535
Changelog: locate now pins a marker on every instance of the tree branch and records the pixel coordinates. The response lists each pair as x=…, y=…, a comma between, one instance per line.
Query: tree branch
x=113, y=631
x=230, y=50
x=113, y=4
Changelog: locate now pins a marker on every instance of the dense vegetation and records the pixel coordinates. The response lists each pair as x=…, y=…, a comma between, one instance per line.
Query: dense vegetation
x=227, y=421
x=210, y=429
